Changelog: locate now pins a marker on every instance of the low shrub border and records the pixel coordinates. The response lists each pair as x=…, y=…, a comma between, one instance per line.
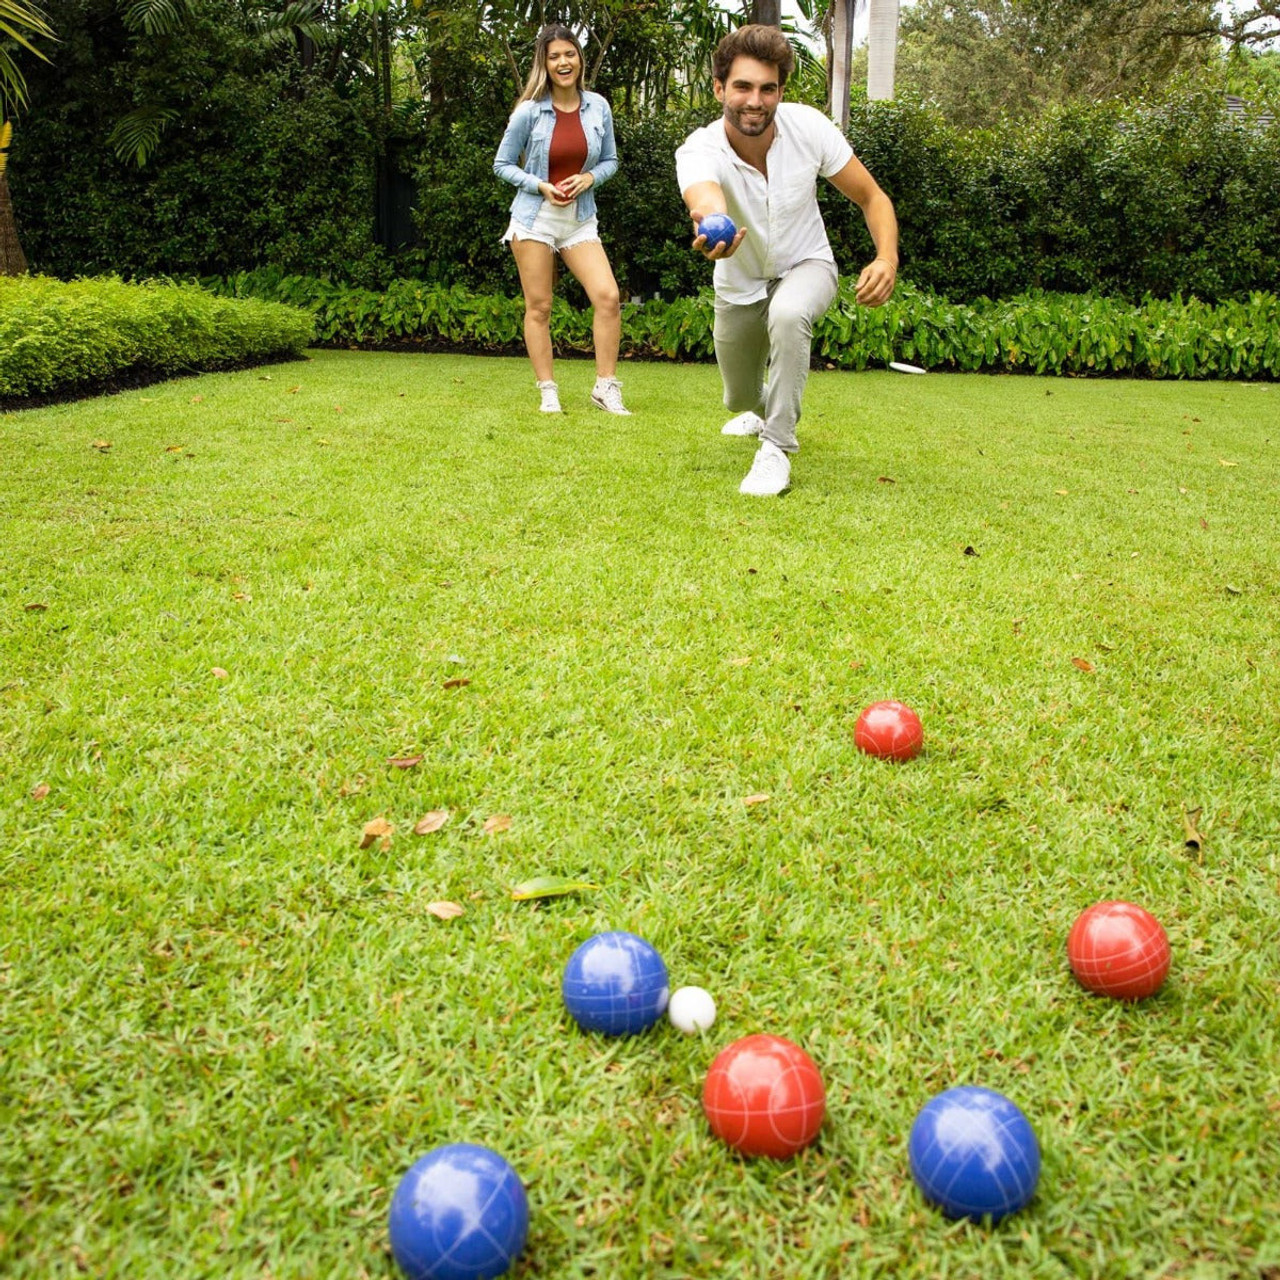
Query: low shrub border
x=1036, y=332
x=58, y=337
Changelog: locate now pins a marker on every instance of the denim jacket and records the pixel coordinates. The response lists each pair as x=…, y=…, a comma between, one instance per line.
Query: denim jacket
x=529, y=134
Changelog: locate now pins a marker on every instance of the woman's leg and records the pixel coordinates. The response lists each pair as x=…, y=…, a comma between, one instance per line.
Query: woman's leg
x=537, y=280
x=590, y=263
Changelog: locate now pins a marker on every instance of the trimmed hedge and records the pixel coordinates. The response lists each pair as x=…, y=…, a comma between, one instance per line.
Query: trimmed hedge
x=55, y=337
x=1162, y=198
x=1037, y=332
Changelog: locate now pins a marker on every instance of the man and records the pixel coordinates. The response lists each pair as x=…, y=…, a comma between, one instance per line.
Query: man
x=759, y=164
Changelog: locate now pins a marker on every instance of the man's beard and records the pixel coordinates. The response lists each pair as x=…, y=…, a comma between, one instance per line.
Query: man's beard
x=752, y=126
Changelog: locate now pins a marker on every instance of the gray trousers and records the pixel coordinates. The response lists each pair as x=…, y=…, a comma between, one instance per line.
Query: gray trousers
x=775, y=333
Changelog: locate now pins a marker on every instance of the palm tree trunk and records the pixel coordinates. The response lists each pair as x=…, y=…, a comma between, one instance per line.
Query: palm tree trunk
x=882, y=49
x=12, y=260
x=841, y=60
x=767, y=12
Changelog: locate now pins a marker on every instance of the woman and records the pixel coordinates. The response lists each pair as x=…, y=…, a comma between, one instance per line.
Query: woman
x=557, y=149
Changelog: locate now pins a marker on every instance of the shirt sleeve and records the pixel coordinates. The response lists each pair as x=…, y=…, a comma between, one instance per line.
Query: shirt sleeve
x=697, y=160
x=507, y=162
x=607, y=165
x=834, y=151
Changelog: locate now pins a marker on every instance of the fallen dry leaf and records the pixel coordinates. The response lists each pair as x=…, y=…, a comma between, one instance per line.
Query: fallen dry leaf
x=1062, y=492
x=1083, y=663
x=458, y=682
x=174, y=448
x=405, y=762
x=39, y=792
x=1194, y=840
x=1204, y=524
x=35, y=607
x=430, y=822
x=446, y=910
x=293, y=391
x=499, y=822
x=378, y=829
x=885, y=480
x=102, y=445
x=758, y=798
x=739, y=662
x=284, y=419
x=219, y=672
x=1222, y=462
x=970, y=551
x=197, y=399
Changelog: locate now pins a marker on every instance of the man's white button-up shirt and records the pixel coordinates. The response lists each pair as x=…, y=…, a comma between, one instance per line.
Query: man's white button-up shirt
x=784, y=224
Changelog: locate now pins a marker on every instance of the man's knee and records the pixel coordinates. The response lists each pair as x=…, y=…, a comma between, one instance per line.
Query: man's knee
x=789, y=324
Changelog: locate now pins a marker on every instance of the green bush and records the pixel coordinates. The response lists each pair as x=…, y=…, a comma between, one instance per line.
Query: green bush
x=57, y=337
x=1162, y=198
x=1167, y=198
x=270, y=165
x=1036, y=332
x=263, y=166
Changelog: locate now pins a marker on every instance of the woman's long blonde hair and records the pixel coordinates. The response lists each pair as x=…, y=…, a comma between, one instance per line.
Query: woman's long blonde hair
x=538, y=85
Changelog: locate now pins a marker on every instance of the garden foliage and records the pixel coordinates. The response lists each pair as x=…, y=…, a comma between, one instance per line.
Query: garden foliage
x=272, y=165
x=1035, y=332
x=56, y=336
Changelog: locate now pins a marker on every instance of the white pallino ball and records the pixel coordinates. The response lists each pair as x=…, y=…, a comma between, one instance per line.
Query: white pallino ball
x=691, y=1009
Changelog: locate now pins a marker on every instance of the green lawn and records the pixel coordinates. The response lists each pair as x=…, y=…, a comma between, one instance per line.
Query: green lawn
x=227, y=1029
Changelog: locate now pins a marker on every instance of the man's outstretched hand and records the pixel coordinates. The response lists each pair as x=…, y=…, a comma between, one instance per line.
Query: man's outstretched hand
x=875, y=284
x=719, y=249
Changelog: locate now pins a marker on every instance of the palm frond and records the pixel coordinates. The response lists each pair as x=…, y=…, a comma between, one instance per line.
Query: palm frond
x=155, y=17
x=297, y=18
x=19, y=22
x=136, y=136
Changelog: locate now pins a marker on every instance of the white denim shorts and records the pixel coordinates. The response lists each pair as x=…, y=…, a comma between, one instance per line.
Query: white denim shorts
x=556, y=227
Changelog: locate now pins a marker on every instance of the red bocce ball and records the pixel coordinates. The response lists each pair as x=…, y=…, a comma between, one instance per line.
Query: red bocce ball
x=764, y=1097
x=889, y=729
x=1118, y=949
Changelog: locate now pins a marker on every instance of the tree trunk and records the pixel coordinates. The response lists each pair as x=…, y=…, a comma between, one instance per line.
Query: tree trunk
x=767, y=12
x=882, y=49
x=12, y=260
x=841, y=62
x=383, y=33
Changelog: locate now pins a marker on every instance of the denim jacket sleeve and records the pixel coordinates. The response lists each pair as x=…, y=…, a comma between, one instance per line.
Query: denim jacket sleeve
x=607, y=165
x=514, y=142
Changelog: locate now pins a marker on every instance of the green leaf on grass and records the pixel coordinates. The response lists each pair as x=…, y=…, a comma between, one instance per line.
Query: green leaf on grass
x=549, y=887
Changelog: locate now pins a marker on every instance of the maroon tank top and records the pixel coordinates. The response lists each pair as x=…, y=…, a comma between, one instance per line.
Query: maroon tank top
x=568, y=151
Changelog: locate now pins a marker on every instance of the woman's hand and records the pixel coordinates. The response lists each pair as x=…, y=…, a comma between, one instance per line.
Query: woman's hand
x=574, y=185
x=554, y=195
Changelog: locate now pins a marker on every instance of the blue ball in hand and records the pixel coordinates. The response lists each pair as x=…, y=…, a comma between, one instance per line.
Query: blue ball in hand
x=718, y=228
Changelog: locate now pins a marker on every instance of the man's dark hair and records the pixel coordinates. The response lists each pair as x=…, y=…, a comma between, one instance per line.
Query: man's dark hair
x=764, y=44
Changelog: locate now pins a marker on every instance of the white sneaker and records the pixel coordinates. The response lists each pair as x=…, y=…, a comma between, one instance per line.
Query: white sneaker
x=550, y=397
x=770, y=473
x=745, y=424
x=607, y=395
